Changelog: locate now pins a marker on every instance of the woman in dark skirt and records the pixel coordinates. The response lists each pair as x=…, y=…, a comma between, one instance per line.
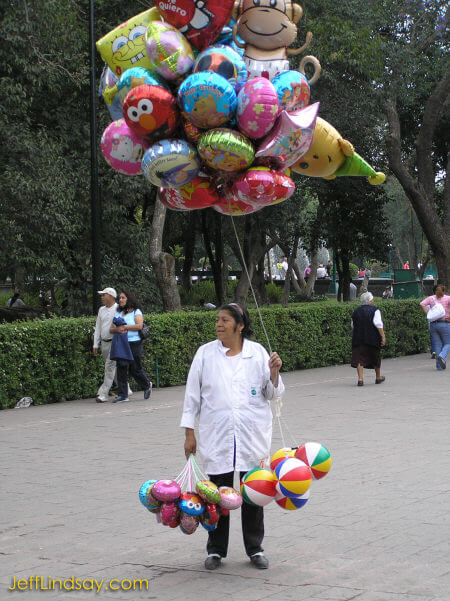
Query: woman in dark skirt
x=368, y=338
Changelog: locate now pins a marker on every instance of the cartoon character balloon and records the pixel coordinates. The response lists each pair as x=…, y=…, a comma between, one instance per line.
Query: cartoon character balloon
x=170, y=163
x=122, y=148
x=267, y=28
x=169, y=51
x=331, y=156
x=124, y=46
x=201, y=21
x=151, y=111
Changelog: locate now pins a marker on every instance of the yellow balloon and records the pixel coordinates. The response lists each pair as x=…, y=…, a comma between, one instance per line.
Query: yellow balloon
x=124, y=46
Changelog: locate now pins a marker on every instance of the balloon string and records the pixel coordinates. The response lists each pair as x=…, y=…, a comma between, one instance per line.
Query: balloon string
x=251, y=287
x=259, y=313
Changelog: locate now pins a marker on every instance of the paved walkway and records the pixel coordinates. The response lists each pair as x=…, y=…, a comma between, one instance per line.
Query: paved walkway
x=375, y=529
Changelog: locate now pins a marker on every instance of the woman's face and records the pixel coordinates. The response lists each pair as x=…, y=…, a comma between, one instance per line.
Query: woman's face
x=226, y=325
x=122, y=300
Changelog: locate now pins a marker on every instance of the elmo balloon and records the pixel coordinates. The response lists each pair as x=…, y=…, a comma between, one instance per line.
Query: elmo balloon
x=150, y=111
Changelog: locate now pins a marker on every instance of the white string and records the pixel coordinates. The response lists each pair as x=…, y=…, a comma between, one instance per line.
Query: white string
x=277, y=400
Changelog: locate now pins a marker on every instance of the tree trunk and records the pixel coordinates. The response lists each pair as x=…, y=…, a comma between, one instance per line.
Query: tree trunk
x=215, y=258
x=259, y=284
x=163, y=263
x=189, y=247
x=421, y=191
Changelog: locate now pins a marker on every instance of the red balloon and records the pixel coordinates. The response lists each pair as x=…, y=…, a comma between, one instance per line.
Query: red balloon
x=200, y=21
x=199, y=193
x=263, y=186
x=151, y=111
x=230, y=204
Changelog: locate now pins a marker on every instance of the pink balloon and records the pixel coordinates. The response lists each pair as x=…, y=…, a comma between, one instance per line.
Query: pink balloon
x=231, y=204
x=169, y=512
x=258, y=107
x=122, y=148
x=291, y=137
x=261, y=186
x=166, y=490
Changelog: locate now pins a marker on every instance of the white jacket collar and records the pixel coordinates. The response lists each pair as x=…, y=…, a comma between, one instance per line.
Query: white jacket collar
x=247, y=348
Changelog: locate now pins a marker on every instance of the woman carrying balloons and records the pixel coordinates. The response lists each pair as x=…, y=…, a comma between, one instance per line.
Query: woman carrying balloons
x=229, y=386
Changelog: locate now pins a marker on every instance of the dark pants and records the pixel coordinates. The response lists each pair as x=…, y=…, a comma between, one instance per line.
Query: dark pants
x=252, y=519
x=135, y=370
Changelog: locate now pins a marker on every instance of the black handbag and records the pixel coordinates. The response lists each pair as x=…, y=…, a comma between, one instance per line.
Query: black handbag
x=145, y=332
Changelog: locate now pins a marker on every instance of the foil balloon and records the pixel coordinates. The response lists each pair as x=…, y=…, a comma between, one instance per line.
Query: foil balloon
x=122, y=148
x=201, y=21
x=191, y=504
x=257, y=108
x=168, y=50
x=231, y=204
x=151, y=111
x=169, y=513
x=132, y=78
x=208, y=491
x=145, y=494
x=230, y=498
x=264, y=31
x=207, y=99
x=330, y=156
x=107, y=82
x=225, y=62
x=226, y=150
x=261, y=186
x=293, y=90
x=199, y=193
x=170, y=163
x=291, y=137
x=124, y=46
x=166, y=490
x=188, y=523
x=192, y=132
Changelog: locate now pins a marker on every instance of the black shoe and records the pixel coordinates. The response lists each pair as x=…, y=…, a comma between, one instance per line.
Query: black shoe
x=380, y=380
x=148, y=392
x=260, y=561
x=442, y=363
x=212, y=562
x=360, y=383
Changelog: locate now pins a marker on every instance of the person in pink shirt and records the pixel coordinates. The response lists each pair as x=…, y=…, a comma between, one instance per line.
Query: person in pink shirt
x=439, y=329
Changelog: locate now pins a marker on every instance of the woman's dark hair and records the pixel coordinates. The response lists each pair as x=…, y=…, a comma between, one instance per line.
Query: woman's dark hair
x=240, y=315
x=132, y=301
x=440, y=290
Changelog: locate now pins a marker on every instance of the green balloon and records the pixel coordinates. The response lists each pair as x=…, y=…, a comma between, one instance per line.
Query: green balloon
x=226, y=149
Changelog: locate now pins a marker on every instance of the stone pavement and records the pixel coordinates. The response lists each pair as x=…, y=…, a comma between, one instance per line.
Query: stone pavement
x=375, y=529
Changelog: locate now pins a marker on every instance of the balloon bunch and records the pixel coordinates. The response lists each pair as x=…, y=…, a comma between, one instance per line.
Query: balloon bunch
x=188, y=500
x=216, y=125
x=289, y=479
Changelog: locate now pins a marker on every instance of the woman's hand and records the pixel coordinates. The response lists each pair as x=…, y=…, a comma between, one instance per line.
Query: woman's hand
x=190, y=444
x=275, y=364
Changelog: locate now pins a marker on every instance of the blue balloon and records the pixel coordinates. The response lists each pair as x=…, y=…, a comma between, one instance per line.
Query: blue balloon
x=207, y=99
x=226, y=62
x=293, y=90
x=171, y=163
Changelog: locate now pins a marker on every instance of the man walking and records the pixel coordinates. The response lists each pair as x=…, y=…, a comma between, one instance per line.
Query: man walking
x=103, y=335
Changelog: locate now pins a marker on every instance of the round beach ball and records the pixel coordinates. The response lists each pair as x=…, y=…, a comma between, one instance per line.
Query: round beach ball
x=280, y=456
x=292, y=503
x=317, y=457
x=258, y=487
x=294, y=477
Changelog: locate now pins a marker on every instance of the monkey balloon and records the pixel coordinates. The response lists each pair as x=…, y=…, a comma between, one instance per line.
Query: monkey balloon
x=267, y=28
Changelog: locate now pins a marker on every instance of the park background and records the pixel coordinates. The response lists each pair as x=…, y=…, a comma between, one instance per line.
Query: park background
x=384, y=86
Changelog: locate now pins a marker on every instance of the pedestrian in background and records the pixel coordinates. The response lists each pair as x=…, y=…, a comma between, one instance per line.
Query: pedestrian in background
x=367, y=339
x=439, y=329
x=130, y=311
x=103, y=337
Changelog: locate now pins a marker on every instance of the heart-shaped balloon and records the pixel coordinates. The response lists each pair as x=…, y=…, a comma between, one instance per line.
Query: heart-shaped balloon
x=200, y=21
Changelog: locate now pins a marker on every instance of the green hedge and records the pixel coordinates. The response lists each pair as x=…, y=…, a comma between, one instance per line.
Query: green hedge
x=52, y=360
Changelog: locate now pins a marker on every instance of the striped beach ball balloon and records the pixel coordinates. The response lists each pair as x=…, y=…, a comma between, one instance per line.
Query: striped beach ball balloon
x=292, y=503
x=258, y=487
x=294, y=477
x=317, y=457
x=281, y=455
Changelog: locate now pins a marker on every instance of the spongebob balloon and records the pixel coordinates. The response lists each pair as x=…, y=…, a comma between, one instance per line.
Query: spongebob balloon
x=268, y=27
x=330, y=156
x=124, y=46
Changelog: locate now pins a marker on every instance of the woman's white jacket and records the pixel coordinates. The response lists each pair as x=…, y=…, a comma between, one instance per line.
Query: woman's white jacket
x=230, y=399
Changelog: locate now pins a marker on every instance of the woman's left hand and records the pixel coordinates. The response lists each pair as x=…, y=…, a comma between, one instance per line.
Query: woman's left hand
x=275, y=364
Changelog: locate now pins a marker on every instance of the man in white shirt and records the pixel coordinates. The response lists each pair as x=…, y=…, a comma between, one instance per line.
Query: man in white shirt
x=103, y=335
